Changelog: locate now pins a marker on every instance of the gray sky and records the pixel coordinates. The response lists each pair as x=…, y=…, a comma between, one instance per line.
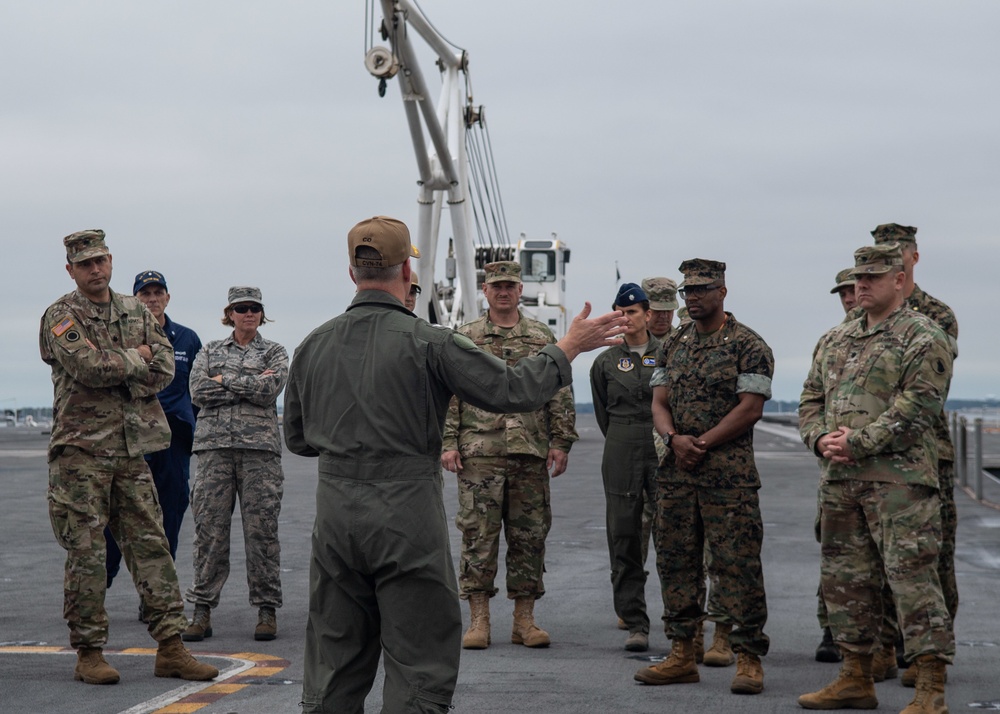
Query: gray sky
x=233, y=142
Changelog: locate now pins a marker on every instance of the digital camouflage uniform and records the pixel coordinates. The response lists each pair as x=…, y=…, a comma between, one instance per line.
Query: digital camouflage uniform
x=716, y=504
x=105, y=418
x=239, y=456
x=368, y=393
x=888, y=384
x=619, y=384
x=504, y=480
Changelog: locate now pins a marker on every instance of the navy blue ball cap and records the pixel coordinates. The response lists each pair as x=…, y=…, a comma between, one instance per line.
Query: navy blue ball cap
x=630, y=294
x=148, y=277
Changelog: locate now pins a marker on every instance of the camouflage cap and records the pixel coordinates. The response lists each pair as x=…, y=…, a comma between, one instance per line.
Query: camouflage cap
x=414, y=281
x=877, y=259
x=844, y=278
x=388, y=236
x=503, y=271
x=894, y=233
x=699, y=271
x=148, y=277
x=630, y=294
x=84, y=245
x=244, y=293
x=662, y=293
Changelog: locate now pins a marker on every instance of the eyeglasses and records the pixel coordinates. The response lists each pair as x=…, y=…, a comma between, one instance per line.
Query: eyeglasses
x=697, y=290
x=244, y=309
x=414, y=290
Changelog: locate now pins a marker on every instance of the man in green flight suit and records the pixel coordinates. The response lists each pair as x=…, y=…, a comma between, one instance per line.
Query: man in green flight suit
x=367, y=393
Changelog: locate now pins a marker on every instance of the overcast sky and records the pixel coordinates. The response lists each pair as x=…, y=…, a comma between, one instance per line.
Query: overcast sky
x=233, y=142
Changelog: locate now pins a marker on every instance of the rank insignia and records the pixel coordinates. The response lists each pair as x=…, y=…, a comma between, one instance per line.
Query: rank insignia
x=625, y=364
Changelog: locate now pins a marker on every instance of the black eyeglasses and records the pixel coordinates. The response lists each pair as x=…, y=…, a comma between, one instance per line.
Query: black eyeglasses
x=244, y=309
x=696, y=290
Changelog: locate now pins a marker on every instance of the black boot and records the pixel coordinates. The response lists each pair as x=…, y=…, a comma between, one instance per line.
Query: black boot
x=827, y=650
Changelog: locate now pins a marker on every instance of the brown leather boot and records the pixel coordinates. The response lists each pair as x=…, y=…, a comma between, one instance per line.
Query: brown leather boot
x=477, y=637
x=929, y=698
x=884, y=664
x=699, y=643
x=174, y=660
x=853, y=688
x=720, y=654
x=201, y=625
x=678, y=668
x=92, y=668
x=749, y=677
x=525, y=631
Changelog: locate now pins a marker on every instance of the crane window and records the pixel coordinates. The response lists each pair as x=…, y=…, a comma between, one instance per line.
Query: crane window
x=538, y=266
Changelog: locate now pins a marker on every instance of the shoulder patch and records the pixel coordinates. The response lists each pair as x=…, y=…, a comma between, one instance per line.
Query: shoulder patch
x=65, y=324
x=464, y=342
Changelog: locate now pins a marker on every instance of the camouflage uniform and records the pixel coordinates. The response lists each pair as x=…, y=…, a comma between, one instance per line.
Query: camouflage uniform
x=619, y=383
x=714, y=507
x=888, y=384
x=105, y=418
x=504, y=479
x=239, y=455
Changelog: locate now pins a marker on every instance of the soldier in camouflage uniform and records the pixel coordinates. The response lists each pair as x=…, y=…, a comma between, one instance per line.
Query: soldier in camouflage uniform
x=619, y=384
x=868, y=408
x=236, y=382
x=712, y=378
x=503, y=463
x=109, y=357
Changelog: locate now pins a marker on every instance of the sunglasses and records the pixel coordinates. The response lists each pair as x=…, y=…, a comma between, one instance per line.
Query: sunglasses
x=244, y=309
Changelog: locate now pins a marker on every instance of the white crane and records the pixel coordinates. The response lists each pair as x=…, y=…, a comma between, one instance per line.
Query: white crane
x=456, y=171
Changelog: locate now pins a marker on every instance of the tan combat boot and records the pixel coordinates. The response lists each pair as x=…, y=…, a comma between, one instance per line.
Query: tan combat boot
x=720, y=654
x=929, y=698
x=884, y=664
x=678, y=668
x=853, y=688
x=92, y=668
x=201, y=625
x=525, y=631
x=909, y=678
x=477, y=637
x=749, y=677
x=174, y=660
x=699, y=643
x=267, y=624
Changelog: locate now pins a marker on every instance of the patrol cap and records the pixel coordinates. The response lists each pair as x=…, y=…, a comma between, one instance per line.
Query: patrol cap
x=503, y=271
x=844, y=279
x=244, y=293
x=388, y=236
x=414, y=282
x=662, y=293
x=629, y=294
x=877, y=259
x=700, y=271
x=894, y=233
x=148, y=277
x=84, y=245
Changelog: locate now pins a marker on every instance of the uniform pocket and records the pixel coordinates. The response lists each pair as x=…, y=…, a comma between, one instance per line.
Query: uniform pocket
x=70, y=520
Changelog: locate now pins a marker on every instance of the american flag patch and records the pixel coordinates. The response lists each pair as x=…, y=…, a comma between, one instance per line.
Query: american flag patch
x=59, y=329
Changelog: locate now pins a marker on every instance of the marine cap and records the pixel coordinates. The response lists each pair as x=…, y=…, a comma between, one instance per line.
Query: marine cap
x=894, y=233
x=662, y=293
x=388, y=236
x=877, y=259
x=630, y=294
x=503, y=271
x=699, y=271
x=148, y=277
x=84, y=245
x=244, y=293
x=844, y=279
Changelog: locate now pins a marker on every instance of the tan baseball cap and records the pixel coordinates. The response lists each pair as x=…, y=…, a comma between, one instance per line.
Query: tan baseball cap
x=388, y=236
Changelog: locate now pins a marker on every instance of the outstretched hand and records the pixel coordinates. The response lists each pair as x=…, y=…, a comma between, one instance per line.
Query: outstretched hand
x=586, y=334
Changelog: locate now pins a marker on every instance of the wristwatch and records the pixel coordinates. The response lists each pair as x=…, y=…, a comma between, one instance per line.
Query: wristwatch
x=667, y=438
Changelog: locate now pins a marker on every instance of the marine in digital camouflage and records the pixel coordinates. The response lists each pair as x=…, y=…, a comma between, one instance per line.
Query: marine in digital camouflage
x=714, y=508
x=105, y=417
x=504, y=469
x=888, y=385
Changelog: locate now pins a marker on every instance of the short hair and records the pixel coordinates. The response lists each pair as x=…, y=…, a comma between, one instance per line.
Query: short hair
x=369, y=274
x=228, y=321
